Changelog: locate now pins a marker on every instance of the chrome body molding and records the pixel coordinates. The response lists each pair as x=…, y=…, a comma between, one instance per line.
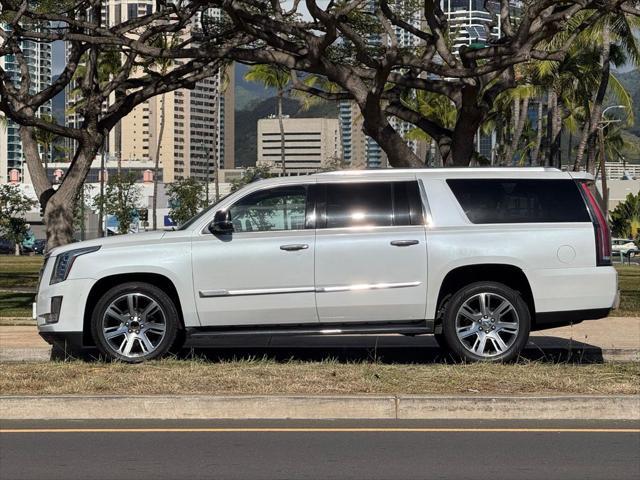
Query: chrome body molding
x=253, y=291
x=327, y=289
x=365, y=286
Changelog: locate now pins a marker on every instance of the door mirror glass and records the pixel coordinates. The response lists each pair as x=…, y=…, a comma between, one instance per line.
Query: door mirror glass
x=221, y=223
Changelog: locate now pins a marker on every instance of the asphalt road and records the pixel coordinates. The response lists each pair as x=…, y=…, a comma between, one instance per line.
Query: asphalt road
x=319, y=450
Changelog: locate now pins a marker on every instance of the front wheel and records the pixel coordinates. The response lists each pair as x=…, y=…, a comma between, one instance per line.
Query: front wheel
x=486, y=321
x=134, y=322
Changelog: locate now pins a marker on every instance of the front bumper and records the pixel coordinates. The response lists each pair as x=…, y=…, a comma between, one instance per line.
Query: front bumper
x=73, y=295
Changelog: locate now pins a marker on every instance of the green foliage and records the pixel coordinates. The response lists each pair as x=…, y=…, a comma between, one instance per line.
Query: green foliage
x=625, y=218
x=13, y=207
x=271, y=76
x=121, y=199
x=249, y=175
x=186, y=199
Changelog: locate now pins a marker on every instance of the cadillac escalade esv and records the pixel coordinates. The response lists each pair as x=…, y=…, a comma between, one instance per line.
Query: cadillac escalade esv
x=478, y=257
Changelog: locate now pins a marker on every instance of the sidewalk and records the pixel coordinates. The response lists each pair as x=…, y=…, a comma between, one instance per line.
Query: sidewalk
x=611, y=339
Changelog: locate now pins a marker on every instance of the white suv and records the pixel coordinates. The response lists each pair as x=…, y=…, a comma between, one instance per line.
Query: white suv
x=478, y=257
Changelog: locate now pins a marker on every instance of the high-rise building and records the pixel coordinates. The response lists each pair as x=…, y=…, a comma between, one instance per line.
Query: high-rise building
x=198, y=123
x=476, y=22
x=310, y=144
x=38, y=58
x=360, y=150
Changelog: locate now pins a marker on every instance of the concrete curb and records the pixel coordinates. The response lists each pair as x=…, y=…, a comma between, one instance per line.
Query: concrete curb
x=611, y=407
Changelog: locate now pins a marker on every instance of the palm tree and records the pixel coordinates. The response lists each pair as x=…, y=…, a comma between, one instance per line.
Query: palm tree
x=160, y=66
x=615, y=39
x=434, y=107
x=272, y=76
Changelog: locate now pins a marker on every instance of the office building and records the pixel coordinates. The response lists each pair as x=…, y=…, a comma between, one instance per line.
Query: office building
x=310, y=144
x=198, y=122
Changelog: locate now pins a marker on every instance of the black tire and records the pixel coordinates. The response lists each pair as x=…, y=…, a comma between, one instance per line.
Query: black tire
x=496, y=293
x=163, y=314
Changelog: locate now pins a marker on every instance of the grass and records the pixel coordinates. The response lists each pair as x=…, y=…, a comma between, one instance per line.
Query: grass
x=327, y=377
x=14, y=304
x=22, y=273
x=19, y=272
x=629, y=284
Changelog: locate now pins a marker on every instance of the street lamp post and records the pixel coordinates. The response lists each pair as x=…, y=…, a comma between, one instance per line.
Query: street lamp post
x=206, y=158
x=603, y=168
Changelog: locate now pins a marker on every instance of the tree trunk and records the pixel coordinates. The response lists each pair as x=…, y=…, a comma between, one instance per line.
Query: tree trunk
x=603, y=173
x=535, y=155
x=376, y=125
x=281, y=125
x=596, y=107
x=156, y=166
x=518, y=129
x=552, y=101
x=591, y=155
x=58, y=219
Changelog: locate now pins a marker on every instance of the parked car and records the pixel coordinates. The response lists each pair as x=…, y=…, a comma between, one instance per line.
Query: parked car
x=624, y=247
x=478, y=257
x=40, y=246
x=7, y=246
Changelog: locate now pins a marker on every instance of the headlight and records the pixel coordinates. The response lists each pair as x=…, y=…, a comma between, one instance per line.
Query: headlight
x=64, y=262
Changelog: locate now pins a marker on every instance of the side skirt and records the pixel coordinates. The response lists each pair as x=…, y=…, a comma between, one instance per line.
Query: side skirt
x=204, y=336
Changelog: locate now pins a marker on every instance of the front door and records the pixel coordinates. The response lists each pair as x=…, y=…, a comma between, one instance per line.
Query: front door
x=371, y=256
x=263, y=272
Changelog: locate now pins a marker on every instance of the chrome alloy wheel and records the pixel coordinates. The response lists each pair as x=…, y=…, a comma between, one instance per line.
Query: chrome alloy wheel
x=487, y=324
x=134, y=325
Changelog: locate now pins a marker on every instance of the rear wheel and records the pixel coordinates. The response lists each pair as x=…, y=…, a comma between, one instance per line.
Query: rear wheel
x=486, y=321
x=134, y=322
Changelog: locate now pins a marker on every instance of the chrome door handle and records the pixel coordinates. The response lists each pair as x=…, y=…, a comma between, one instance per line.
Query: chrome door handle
x=294, y=246
x=404, y=243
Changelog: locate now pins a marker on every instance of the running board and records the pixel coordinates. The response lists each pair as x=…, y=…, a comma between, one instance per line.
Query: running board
x=202, y=336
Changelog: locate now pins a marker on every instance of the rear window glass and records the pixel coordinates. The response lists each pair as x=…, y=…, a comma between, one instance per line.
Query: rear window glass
x=520, y=201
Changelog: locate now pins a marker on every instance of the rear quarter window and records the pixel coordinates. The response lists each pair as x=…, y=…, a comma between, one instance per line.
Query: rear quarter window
x=520, y=200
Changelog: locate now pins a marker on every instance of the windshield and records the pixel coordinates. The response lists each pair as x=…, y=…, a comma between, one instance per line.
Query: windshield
x=198, y=216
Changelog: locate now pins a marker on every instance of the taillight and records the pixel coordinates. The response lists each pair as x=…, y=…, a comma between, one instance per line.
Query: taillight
x=600, y=226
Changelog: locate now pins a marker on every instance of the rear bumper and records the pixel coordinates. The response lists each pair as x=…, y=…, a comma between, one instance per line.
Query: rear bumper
x=545, y=320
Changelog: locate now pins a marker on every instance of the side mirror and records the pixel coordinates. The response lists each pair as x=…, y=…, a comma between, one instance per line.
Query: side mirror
x=221, y=224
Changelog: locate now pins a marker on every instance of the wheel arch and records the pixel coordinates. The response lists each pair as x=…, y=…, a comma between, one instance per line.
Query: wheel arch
x=105, y=283
x=509, y=275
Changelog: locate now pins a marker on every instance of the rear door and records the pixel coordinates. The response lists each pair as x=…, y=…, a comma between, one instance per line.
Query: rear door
x=371, y=261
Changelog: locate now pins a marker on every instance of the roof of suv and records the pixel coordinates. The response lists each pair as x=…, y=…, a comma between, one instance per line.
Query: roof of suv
x=463, y=172
x=434, y=173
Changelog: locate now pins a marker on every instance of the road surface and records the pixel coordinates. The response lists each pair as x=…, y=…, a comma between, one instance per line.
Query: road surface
x=319, y=450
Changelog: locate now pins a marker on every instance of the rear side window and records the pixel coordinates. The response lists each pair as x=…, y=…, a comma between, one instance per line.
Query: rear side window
x=520, y=201
x=377, y=204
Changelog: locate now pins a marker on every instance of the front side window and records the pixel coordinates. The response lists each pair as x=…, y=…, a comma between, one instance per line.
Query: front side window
x=373, y=204
x=276, y=209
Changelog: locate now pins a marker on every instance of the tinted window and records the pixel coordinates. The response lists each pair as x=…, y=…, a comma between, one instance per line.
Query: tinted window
x=379, y=204
x=282, y=208
x=520, y=201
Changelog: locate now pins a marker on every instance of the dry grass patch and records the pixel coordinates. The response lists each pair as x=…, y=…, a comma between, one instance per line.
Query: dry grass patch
x=315, y=378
